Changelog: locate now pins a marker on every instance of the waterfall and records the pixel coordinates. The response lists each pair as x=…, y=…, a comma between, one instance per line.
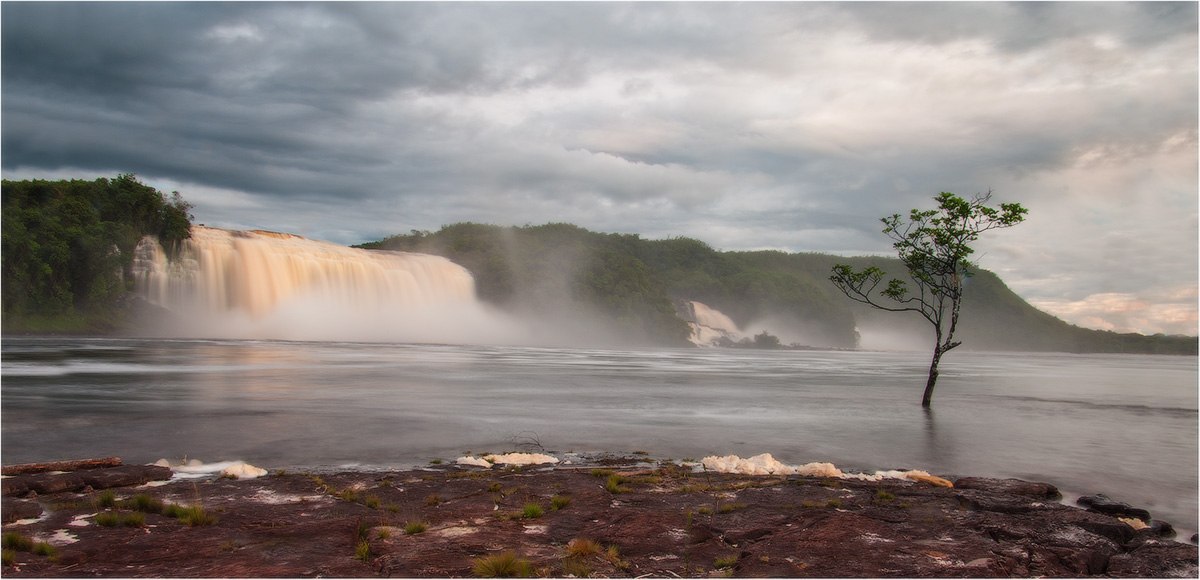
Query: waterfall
x=710, y=325
x=258, y=284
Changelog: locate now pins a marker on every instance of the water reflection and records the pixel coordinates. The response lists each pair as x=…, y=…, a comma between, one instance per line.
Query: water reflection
x=281, y=404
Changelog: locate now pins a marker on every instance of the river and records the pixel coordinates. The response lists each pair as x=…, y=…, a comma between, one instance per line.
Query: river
x=1124, y=425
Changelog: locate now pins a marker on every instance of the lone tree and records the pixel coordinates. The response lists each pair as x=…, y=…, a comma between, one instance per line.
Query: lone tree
x=935, y=246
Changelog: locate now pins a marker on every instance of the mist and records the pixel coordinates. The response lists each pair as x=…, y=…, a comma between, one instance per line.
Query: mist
x=266, y=285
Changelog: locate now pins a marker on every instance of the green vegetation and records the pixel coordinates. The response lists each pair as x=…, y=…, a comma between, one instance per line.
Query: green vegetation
x=934, y=247
x=582, y=547
x=414, y=528
x=532, y=511
x=576, y=567
x=643, y=284
x=144, y=503
x=17, y=541
x=614, y=484
x=727, y=508
x=502, y=565
x=68, y=248
x=189, y=515
x=363, y=551
x=106, y=499
x=725, y=562
x=559, y=502
x=9, y=557
x=613, y=555
x=45, y=549
x=883, y=496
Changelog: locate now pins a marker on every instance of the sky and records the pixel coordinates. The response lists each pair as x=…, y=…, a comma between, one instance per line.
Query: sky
x=790, y=126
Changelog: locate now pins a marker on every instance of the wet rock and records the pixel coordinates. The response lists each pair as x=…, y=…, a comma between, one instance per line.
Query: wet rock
x=1161, y=529
x=980, y=501
x=669, y=523
x=1115, y=531
x=49, y=483
x=1157, y=558
x=1102, y=504
x=1016, y=487
x=18, y=509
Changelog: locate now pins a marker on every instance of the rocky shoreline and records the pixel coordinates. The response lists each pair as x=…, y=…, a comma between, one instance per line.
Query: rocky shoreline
x=611, y=517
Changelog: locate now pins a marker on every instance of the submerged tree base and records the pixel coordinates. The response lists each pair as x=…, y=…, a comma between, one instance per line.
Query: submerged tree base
x=667, y=520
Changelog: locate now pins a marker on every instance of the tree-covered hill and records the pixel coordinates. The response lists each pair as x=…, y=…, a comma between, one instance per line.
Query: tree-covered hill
x=68, y=246
x=637, y=282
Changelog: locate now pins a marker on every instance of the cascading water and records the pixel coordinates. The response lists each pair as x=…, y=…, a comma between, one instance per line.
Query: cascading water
x=257, y=284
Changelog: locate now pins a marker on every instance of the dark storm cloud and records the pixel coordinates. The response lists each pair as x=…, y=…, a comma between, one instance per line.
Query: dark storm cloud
x=782, y=125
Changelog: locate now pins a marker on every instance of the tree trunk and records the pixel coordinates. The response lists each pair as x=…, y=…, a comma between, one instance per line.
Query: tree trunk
x=933, y=375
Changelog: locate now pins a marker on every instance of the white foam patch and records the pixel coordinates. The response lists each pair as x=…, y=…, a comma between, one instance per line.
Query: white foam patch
x=196, y=468
x=271, y=497
x=243, y=471
x=62, y=538
x=521, y=459
x=471, y=460
x=765, y=464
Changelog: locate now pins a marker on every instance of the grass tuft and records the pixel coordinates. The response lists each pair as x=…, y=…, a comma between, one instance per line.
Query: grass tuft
x=730, y=508
x=17, y=541
x=613, y=555
x=191, y=515
x=145, y=504
x=532, y=511
x=363, y=551
x=600, y=472
x=559, y=502
x=433, y=499
x=726, y=562
x=883, y=495
x=372, y=502
x=502, y=565
x=414, y=528
x=9, y=558
x=45, y=549
x=613, y=484
x=582, y=547
x=106, y=499
x=576, y=567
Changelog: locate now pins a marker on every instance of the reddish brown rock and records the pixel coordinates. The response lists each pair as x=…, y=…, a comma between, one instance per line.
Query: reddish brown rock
x=670, y=523
x=1016, y=487
x=44, y=483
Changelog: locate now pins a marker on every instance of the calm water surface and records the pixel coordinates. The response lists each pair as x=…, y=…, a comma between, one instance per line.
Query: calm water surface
x=1121, y=425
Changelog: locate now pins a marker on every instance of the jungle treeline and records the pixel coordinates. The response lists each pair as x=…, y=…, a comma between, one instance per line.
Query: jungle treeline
x=68, y=246
x=640, y=282
x=68, y=249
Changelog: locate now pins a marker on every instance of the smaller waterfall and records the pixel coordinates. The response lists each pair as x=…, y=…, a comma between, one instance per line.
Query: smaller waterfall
x=258, y=284
x=710, y=325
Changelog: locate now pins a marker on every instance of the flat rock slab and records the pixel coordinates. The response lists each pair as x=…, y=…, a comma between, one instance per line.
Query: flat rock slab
x=102, y=478
x=668, y=522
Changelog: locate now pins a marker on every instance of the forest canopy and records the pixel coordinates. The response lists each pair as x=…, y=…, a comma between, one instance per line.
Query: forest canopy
x=785, y=294
x=68, y=248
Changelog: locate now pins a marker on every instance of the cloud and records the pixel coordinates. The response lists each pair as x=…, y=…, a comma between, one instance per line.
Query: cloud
x=1173, y=313
x=787, y=126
